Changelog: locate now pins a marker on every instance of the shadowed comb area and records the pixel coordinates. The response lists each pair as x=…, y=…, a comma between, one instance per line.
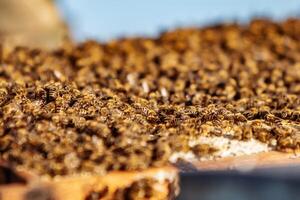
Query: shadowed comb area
x=8, y=176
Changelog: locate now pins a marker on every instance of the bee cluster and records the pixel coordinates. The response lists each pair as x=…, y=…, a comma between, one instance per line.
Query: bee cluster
x=129, y=104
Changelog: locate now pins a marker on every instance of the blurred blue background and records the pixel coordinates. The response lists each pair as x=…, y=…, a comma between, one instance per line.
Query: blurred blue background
x=103, y=20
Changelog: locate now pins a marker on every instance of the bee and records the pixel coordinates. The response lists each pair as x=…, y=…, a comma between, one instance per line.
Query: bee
x=272, y=118
x=286, y=113
x=262, y=136
x=295, y=116
x=240, y=117
x=203, y=149
x=247, y=132
x=286, y=142
x=251, y=114
x=51, y=92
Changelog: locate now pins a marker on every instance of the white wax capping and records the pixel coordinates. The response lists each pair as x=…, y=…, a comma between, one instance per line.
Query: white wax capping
x=226, y=147
x=164, y=92
x=161, y=176
x=131, y=78
x=145, y=87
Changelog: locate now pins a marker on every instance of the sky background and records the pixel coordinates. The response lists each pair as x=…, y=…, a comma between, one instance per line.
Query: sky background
x=109, y=19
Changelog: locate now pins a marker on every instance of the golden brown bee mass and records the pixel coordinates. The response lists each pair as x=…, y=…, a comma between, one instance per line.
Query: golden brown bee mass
x=130, y=103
